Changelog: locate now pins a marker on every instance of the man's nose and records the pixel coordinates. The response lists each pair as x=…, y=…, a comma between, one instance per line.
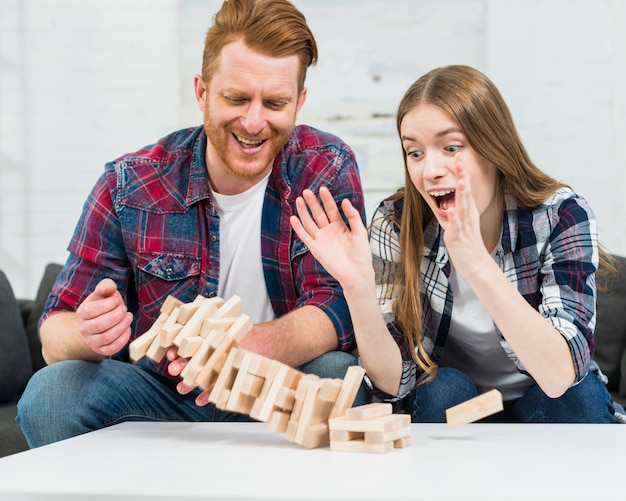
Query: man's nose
x=254, y=119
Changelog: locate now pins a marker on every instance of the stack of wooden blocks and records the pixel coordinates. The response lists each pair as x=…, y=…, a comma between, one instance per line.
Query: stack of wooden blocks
x=208, y=331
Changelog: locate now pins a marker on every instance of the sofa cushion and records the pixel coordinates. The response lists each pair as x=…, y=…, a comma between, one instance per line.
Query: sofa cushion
x=15, y=364
x=610, y=336
x=32, y=323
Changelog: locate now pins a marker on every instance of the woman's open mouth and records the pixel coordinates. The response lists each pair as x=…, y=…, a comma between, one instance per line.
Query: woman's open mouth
x=443, y=198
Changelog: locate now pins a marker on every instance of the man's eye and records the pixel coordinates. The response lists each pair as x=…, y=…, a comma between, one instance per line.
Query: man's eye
x=275, y=105
x=235, y=100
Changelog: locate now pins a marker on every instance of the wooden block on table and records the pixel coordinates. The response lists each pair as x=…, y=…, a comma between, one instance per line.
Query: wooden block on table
x=315, y=435
x=369, y=411
x=360, y=446
x=346, y=435
x=349, y=388
x=379, y=437
x=403, y=442
x=382, y=424
x=475, y=408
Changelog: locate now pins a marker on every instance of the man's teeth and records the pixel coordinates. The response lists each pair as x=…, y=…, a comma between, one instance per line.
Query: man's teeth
x=249, y=142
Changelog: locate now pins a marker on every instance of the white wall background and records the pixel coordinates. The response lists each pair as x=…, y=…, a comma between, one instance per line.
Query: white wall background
x=84, y=81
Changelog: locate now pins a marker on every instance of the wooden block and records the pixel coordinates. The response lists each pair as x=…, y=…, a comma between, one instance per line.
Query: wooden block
x=230, y=308
x=140, y=345
x=310, y=412
x=220, y=393
x=252, y=385
x=209, y=373
x=381, y=424
x=186, y=310
x=197, y=362
x=189, y=346
x=284, y=376
x=156, y=351
x=402, y=443
x=278, y=421
x=369, y=411
x=346, y=435
x=240, y=328
x=330, y=390
x=168, y=333
x=169, y=304
x=349, y=388
x=193, y=325
x=239, y=400
x=315, y=435
x=379, y=437
x=475, y=408
x=220, y=323
x=285, y=398
x=360, y=446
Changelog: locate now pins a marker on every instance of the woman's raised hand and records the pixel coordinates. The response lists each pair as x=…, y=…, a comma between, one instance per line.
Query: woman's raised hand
x=342, y=249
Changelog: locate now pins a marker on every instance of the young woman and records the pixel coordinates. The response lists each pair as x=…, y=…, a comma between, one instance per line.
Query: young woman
x=483, y=266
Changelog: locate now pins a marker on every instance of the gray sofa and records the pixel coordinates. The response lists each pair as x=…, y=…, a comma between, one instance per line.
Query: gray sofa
x=21, y=351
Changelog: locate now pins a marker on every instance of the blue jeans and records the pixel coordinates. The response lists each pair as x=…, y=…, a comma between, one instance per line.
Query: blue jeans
x=587, y=402
x=73, y=397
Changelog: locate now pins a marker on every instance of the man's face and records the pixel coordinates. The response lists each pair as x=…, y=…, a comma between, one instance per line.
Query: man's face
x=250, y=107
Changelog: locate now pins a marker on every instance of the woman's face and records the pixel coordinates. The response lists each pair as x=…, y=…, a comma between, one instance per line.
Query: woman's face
x=431, y=141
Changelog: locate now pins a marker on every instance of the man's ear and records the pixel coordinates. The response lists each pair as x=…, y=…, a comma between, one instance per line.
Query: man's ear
x=301, y=99
x=200, y=91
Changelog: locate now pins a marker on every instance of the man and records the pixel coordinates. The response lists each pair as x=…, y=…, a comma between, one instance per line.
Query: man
x=202, y=211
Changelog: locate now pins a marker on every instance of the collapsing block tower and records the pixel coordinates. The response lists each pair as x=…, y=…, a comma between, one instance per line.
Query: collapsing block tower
x=208, y=331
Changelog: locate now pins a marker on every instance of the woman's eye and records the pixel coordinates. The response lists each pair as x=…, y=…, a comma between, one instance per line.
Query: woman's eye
x=454, y=148
x=414, y=155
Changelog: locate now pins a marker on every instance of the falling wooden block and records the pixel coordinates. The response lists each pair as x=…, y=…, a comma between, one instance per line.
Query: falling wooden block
x=193, y=325
x=230, y=308
x=475, y=408
x=349, y=388
x=140, y=345
x=189, y=346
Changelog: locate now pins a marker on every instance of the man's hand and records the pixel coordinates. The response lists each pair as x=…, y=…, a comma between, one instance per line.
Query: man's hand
x=103, y=320
x=175, y=368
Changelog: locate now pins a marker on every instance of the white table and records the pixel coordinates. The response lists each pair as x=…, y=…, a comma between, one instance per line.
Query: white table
x=246, y=461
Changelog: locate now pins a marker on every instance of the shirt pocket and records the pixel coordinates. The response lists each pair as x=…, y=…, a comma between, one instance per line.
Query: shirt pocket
x=166, y=274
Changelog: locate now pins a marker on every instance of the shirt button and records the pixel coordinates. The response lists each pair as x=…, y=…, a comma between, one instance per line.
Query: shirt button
x=211, y=294
x=213, y=238
x=169, y=271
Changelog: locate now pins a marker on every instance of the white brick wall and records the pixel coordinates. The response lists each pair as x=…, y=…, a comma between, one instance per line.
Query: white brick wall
x=83, y=81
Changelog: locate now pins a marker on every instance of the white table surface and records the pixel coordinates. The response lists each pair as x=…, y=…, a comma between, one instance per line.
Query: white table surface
x=246, y=461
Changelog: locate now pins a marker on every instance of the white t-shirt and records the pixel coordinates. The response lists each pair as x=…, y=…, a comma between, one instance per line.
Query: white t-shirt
x=241, y=268
x=473, y=346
